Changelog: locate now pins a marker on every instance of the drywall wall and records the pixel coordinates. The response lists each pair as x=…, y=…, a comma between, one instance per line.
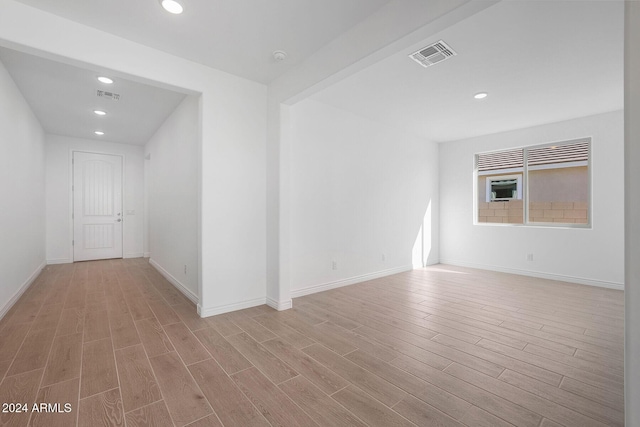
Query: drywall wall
x=395, y=27
x=360, y=192
x=590, y=256
x=632, y=216
x=232, y=135
x=59, y=203
x=172, y=163
x=22, y=224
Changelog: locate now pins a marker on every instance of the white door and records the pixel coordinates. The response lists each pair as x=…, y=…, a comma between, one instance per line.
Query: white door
x=97, y=206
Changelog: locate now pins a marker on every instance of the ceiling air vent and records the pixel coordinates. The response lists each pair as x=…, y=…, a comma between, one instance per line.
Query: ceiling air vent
x=108, y=95
x=432, y=54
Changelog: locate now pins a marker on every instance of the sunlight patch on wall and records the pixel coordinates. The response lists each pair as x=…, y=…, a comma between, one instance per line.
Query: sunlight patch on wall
x=422, y=244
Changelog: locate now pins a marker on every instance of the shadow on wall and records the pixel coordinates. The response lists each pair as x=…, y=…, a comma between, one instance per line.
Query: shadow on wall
x=422, y=244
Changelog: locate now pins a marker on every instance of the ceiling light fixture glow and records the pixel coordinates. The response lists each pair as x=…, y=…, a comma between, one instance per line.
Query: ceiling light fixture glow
x=105, y=80
x=172, y=6
x=480, y=95
x=100, y=112
x=99, y=132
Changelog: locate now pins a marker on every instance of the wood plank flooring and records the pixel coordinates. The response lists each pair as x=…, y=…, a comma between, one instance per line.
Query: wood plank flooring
x=441, y=346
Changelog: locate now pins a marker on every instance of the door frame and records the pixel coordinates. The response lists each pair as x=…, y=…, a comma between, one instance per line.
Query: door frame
x=72, y=201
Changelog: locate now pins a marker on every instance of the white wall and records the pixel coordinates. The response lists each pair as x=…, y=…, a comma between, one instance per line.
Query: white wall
x=59, y=202
x=172, y=186
x=234, y=198
x=632, y=216
x=232, y=137
x=397, y=26
x=22, y=229
x=590, y=256
x=359, y=190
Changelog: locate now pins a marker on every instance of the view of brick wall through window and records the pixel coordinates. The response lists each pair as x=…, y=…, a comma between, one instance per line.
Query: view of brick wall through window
x=557, y=184
x=559, y=195
x=511, y=212
x=502, y=212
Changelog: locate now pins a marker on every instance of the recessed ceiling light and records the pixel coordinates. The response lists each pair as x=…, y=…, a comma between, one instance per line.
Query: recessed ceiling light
x=100, y=112
x=480, y=95
x=99, y=132
x=105, y=80
x=172, y=6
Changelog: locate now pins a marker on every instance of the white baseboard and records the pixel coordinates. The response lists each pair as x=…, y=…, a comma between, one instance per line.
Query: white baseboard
x=542, y=275
x=279, y=305
x=133, y=255
x=348, y=281
x=428, y=263
x=59, y=261
x=25, y=285
x=146, y=255
x=221, y=309
x=175, y=282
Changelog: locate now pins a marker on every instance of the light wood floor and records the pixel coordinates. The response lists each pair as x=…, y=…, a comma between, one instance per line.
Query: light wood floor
x=443, y=346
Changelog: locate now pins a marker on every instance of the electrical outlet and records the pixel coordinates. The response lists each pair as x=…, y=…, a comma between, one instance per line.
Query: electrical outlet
x=334, y=265
x=529, y=257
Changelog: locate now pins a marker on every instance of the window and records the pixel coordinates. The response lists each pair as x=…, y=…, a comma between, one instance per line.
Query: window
x=504, y=188
x=539, y=185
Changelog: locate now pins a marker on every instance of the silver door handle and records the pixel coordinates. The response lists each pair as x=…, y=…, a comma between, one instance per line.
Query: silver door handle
x=119, y=220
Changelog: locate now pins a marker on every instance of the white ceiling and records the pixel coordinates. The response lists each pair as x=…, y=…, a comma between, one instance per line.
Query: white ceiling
x=233, y=36
x=540, y=62
x=63, y=98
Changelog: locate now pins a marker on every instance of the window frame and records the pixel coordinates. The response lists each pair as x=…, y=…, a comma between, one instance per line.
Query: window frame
x=525, y=184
